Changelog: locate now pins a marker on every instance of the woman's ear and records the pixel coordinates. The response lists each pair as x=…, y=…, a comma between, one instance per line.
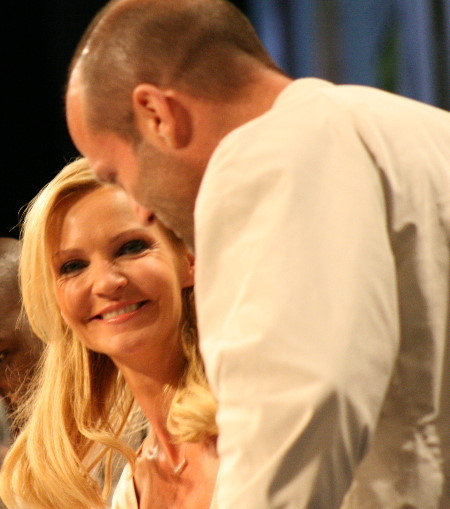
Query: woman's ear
x=161, y=117
x=188, y=269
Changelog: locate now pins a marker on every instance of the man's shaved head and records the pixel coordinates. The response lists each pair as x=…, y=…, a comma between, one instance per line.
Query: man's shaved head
x=196, y=46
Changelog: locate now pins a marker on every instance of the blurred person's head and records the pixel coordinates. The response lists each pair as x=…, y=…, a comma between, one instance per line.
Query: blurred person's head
x=19, y=348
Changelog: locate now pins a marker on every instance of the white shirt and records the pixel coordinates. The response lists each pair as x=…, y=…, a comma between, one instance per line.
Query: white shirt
x=322, y=248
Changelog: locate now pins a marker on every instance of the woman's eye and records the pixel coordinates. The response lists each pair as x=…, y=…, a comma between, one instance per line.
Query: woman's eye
x=133, y=247
x=71, y=266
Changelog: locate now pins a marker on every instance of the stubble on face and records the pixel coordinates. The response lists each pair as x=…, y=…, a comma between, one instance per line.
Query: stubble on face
x=165, y=186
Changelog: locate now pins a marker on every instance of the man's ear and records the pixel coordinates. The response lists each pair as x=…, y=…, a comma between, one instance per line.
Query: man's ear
x=161, y=117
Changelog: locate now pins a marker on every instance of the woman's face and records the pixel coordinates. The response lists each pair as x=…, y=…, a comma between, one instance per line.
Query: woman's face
x=117, y=283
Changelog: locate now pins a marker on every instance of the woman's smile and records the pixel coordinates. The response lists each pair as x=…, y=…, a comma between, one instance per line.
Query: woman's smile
x=118, y=283
x=119, y=312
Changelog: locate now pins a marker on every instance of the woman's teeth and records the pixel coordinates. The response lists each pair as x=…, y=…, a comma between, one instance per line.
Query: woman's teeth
x=121, y=311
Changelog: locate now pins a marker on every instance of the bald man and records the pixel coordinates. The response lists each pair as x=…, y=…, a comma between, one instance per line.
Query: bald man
x=320, y=219
x=19, y=347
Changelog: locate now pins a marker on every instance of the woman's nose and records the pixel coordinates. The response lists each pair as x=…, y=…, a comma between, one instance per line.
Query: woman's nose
x=108, y=279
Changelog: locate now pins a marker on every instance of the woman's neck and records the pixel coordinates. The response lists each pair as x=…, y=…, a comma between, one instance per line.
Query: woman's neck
x=154, y=396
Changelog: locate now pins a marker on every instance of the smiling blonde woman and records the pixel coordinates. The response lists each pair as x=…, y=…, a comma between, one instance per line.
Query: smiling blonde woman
x=112, y=299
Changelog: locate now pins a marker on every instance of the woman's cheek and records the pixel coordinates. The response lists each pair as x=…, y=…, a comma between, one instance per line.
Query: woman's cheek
x=69, y=302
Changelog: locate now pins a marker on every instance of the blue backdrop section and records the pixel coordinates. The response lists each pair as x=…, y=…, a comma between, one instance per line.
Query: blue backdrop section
x=398, y=45
x=446, y=51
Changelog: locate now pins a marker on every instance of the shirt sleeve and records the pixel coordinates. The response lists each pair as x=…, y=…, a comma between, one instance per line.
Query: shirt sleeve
x=297, y=307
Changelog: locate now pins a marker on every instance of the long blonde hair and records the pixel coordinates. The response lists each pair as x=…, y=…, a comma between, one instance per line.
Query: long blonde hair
x=79, y=404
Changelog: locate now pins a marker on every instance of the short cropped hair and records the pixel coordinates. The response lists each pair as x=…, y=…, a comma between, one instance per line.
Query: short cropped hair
x=204, y=47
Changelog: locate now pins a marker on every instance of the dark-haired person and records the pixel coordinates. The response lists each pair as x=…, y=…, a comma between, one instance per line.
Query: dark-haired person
x=20, y=349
